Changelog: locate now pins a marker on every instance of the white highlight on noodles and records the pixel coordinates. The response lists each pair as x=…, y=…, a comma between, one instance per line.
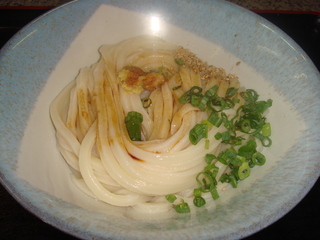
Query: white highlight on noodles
x=91, y=134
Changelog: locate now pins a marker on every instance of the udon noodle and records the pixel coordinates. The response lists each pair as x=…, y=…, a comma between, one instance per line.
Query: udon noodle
x=92, y=137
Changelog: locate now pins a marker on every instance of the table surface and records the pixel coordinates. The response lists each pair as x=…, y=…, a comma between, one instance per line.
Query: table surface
x=303, y=222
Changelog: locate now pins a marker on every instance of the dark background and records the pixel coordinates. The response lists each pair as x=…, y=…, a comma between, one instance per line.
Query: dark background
x=303, y=222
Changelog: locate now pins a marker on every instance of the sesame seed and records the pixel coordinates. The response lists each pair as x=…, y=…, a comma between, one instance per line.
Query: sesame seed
x=198, y=66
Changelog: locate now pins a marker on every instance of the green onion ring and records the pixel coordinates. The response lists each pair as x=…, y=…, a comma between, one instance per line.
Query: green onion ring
x=258, y=159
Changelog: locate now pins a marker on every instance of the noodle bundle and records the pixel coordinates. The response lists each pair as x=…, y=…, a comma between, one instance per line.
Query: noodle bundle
x=91, y=132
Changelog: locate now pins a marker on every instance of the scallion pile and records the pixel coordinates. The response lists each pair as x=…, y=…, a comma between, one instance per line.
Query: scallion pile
x=240, y=156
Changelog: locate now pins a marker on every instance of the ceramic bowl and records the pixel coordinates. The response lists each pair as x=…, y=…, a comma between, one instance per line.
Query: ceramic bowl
x=42, y=58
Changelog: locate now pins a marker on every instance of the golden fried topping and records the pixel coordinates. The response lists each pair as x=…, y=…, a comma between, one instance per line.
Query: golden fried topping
x=135, y=80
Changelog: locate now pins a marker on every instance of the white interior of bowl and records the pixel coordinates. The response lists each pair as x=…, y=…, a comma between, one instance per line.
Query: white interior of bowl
x=264, y=66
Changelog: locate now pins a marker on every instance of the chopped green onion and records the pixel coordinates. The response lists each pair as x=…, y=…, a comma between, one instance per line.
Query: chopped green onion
x=209, y=157
x=237, y=161
x=203, y=103
x=183, y=207
x=218, y=136
x=187, y=96
x=209, y=167
x=199, y=201
x=246, y=151
x=215, y=119
x=206, y=179
x=225, y=136
x=171, y=197
x=266, y=130
x=207, y=144
x=224, y=178
x=252, y=143
x=212, y=91
x=229, y=179
x=166, y=74
x=208, y=94
x=245, y=126
x=226, y=122
x=197, y=192
x=195, y=90
x=198, y=132
x=216, y=104
x=231, y=92
x=258, y=159
x=265, y=141
x=212, y=170
x=249, y=119
x=214, y=193
x=133, y=124
x=146, y=102
x=207, y=122
x=230, y=103
x=230, y=157
x=235, y=100
x=233, y=181
x=176, y=87
x=179, y=61
x=262, y=106
x=244, y=171
x=195, y=100
x=234, y=173
x=249, y=95
x=236, y=140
